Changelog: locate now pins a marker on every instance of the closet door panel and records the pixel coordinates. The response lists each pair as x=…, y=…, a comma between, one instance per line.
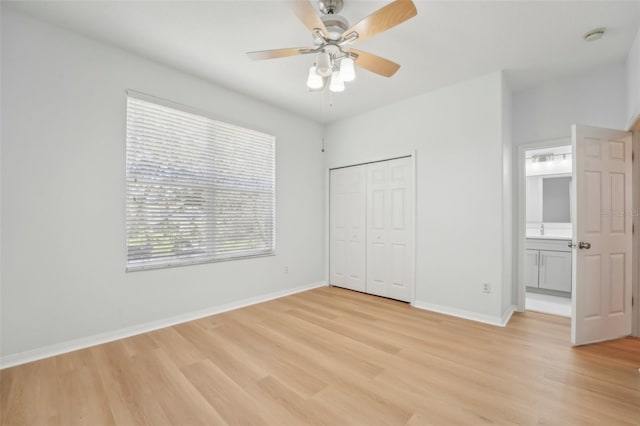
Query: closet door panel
x=398, y=265
x=390, y=228
x=337, y=230
x=378, y=210
x=401, y=231
x=377, y=228
x=356, y=228
x=398, y=209
x=339, y=263
x=377, y=268
x=347, y=267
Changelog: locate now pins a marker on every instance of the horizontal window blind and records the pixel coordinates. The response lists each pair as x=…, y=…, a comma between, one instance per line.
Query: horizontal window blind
x=198, y=190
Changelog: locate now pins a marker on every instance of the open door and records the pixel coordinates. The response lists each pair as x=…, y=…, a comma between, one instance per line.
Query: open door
x=602, y=234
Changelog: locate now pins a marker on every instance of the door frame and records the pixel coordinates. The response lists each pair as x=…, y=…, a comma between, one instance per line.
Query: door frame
x=635, y=245
x=521, y=229
x=413, y=155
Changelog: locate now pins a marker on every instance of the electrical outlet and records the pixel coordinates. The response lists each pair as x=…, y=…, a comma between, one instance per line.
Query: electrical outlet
x=286, y=269
x=486, y=287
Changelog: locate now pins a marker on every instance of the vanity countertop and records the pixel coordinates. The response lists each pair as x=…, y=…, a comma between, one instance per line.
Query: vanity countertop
x=548, y=237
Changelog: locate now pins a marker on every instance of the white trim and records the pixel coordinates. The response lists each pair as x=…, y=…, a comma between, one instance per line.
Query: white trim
x=327, y=226
x=506, y=316
x=98, y=339
x=414, y=237
x=635, y=309
x=473, y=316
x=374, y=159
x=521, y=228
x=633, y=121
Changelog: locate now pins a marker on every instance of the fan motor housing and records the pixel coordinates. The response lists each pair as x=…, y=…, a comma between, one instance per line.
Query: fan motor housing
x=336, y=25
x=330, y=7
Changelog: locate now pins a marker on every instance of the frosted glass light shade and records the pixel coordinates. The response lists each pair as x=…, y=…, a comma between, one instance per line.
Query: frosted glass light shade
x=336, y=85
x=323, y=67
x=314, y=81
x=347, y=71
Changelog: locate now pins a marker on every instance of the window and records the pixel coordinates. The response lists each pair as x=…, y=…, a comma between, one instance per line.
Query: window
x=198, y=190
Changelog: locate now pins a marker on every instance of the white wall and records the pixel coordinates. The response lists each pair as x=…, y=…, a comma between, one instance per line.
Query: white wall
x=63, y=231
x=633, y=81
x=597, y=98
x=457, y=133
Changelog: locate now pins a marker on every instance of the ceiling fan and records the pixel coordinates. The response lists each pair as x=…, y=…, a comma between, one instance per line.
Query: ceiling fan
x=332, y=37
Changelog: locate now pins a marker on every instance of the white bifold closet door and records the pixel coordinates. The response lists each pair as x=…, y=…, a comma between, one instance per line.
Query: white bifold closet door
x=390, y=229
x=348, y=227
x=372, y=217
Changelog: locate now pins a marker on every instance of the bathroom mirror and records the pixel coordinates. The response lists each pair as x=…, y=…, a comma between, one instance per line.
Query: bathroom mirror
x=555, y=199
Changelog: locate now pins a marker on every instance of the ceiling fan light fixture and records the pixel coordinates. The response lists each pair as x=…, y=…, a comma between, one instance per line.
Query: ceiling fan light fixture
x=335, y=62
x=323, y=67
x=347, y=69
x=314, y=81
x=336, y=85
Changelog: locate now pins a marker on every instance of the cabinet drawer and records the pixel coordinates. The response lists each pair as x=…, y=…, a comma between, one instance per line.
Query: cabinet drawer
x=552, y=245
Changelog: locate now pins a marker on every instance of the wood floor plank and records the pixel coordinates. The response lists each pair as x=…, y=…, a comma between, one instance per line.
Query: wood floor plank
x=126, y=386
x=233, y=403
x=333, y=357
x=180, y=400
x=275, y=358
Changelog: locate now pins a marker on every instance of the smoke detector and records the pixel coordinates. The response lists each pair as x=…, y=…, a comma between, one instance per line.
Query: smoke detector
x=595, y=34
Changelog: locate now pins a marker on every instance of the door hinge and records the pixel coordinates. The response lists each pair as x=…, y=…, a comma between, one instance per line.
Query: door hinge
x=633, y=156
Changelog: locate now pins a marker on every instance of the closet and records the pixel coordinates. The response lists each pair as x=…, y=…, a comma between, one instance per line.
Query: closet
x=371, y=228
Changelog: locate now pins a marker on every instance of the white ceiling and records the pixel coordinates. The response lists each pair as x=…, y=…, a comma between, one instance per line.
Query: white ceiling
x=447, y=42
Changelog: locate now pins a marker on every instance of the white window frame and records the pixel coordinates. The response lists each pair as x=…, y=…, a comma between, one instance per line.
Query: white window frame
x=246, y=165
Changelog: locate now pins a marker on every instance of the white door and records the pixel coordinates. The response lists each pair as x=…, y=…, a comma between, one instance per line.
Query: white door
x=602, y=235
x=347, y=214
x=390, y=229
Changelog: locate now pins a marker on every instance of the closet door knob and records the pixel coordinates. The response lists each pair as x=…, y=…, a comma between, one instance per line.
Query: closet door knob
x=584, y=245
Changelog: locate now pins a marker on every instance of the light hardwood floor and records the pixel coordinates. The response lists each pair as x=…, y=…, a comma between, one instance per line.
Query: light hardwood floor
x=335, y=357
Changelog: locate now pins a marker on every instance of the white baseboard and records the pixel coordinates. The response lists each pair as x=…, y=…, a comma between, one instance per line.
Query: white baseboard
x=506, y=316
x=461, y=313
x=98, y=339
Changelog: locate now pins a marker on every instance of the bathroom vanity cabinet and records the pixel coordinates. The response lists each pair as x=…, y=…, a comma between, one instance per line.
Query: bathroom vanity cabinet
x=548, y=265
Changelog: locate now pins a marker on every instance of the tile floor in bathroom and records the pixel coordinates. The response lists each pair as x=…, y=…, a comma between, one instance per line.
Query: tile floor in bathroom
x=548, y=304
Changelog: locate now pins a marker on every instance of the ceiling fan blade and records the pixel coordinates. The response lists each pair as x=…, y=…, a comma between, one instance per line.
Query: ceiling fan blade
x=276, y=53
x=307, y=14
x=382, y=19
x=375, y=64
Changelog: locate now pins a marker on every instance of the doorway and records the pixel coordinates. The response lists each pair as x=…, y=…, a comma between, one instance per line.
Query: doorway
x=604, y=265
x=546, y=252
